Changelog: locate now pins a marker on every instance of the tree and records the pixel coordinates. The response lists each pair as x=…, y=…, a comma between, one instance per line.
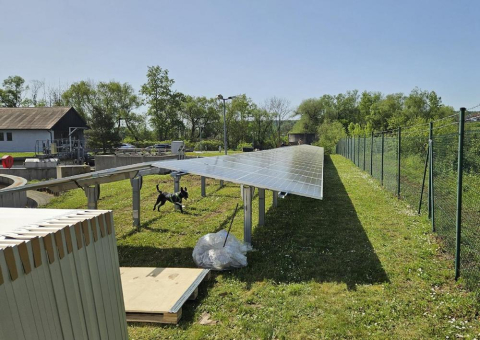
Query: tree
x=194, y=111
x=102, y=133
x=164, y=103
x=280, y=109
x=54, y=96
x=212, y=121
x=127, y=102
x=330, y=133
x=346, y=107
x=262, y=122
x=312, y=112
x=36, y=86
x=82, y=96
x=238, y=114
x=104, y=106
x=368, y=108
x=12, y=93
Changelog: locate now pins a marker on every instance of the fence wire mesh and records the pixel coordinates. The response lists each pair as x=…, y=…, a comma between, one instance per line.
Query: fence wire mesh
x=470, y=248
x=424, y=172
x=390, y=163
x=445, y=154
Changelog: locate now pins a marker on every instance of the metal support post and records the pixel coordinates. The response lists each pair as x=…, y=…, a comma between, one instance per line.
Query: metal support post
x=430, y=173
x=423, y=181
x=383, y=153
x=399, y=152
x=176, y=187
x=221, y=183
x=247, y=214
x=461, y=128
x=136, y=183
x=203, y=180
x=275, y=199
x=371, y=156
x=261, y=206
x=93, y=194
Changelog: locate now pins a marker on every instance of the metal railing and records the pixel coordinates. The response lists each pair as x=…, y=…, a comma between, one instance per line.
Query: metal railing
x=435, y=168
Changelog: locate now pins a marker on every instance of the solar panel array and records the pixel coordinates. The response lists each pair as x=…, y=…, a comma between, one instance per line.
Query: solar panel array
x=296, y=169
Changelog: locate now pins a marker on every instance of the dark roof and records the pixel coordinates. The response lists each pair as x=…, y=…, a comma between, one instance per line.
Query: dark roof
x=33, y=118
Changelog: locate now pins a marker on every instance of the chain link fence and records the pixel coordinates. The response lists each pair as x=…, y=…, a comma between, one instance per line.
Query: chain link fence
x=420, y=164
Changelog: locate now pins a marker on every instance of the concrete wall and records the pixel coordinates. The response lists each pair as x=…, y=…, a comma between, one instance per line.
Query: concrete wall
x=113, y=161
x=23, y=140
x=71, y=170
x=17, y=199
x=31, y=174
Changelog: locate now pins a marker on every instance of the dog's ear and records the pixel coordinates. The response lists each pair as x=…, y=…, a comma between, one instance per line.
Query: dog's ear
x=185, y=188
x=181, y=188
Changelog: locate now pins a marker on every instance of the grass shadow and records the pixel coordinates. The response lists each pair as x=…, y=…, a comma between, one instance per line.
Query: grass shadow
x=306, y=239
x=144, y=226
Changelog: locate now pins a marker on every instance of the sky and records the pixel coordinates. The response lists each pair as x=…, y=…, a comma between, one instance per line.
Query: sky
x=291, y=49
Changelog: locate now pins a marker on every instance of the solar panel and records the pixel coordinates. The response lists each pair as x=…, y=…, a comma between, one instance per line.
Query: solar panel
x=295, y=169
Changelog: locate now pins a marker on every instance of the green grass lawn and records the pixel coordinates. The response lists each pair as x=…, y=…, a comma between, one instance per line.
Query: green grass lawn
x=359, y=264
x=17, y=154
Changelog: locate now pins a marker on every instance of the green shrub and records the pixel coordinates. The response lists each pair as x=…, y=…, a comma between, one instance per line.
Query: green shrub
x=330, y=134
x=208, y=145
x=244, y=145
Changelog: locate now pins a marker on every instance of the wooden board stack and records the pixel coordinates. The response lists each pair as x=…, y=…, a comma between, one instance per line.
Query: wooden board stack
x=158, y=294
x=59, y=275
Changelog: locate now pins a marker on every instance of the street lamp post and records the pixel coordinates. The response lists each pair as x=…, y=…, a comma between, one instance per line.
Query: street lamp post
x=224, y=120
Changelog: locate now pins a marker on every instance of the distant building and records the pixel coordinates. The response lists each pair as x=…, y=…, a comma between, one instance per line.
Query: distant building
x=21, y=128
x=306, y=138
x=473, y=117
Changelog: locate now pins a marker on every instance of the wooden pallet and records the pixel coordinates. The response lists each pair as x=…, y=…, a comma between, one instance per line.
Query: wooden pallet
x=158, y=294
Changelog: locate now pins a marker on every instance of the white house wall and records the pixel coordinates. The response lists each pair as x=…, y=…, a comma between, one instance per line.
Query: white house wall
x=23, y=140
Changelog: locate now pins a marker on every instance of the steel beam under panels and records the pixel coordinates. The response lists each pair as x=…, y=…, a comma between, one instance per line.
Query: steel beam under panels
x=90, y=183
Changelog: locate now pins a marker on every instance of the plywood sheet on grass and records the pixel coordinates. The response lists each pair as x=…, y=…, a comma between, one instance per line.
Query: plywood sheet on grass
x=158, y=290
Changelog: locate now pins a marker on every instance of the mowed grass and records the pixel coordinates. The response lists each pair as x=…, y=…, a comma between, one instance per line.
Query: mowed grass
x=359, y=264
x=17, y=154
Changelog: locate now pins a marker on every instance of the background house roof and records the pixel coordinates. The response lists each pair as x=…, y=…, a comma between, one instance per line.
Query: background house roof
x=32, y=118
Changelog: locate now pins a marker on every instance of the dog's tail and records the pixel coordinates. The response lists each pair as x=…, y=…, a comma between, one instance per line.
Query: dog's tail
x=159, y=191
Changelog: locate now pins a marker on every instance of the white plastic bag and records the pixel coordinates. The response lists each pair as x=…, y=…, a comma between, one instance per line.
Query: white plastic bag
x=210, y=253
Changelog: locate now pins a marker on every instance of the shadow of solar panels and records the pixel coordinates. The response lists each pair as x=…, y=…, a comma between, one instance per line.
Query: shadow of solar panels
x=306, y=239
x=296, y=169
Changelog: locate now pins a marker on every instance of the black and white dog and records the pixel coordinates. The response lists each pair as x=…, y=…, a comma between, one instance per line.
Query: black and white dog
x=175, y=198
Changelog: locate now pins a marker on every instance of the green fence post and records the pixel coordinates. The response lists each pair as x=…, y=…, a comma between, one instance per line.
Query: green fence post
x=371, y=156
x=383, y=153
x=424, y=176
x=430, y=133
x=364, y=149
x=461, y=127
x=432, y=192
x=399, y=152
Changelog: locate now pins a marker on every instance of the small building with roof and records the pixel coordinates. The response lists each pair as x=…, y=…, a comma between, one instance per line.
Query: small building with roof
x=22, y=127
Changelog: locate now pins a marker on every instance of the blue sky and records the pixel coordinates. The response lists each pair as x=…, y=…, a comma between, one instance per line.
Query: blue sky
x=291, y=49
